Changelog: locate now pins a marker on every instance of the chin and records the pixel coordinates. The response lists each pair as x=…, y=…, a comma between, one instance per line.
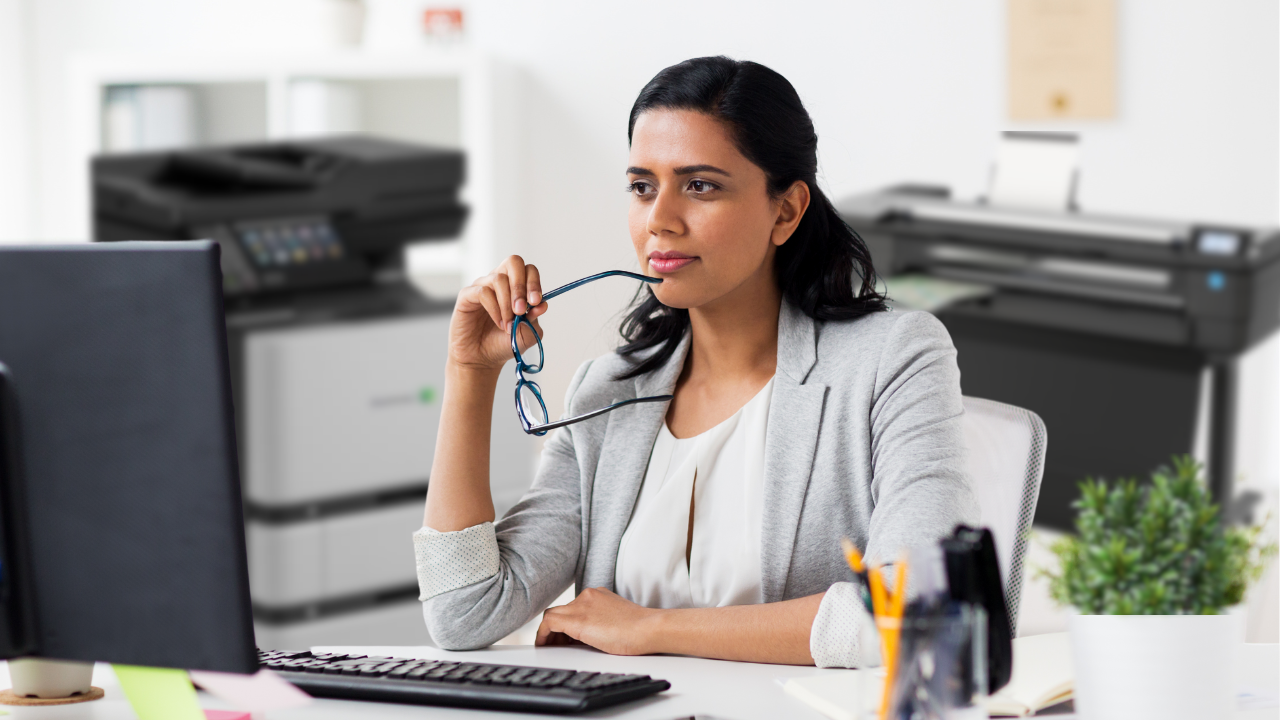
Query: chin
x=673, y=298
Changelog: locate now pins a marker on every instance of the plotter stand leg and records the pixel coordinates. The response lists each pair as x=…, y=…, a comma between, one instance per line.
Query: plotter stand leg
x=1222, y=431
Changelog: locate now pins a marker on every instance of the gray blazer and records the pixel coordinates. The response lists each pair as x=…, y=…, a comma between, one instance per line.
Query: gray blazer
x=864, y=441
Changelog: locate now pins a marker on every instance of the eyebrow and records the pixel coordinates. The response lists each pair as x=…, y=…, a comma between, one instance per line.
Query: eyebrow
x=684, y=170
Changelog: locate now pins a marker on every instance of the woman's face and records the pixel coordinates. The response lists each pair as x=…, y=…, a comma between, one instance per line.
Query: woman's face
x=701, y=216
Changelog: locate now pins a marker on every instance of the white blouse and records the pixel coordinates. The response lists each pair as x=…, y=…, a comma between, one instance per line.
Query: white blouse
x=722, y=470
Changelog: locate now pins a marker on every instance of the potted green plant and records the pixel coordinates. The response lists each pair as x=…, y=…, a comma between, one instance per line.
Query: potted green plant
x=1152, y=572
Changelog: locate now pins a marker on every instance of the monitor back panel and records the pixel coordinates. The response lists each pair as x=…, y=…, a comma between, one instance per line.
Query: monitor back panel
x=119, y=369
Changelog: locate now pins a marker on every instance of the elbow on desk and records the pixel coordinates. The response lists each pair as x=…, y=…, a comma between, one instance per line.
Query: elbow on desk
x=452, y=630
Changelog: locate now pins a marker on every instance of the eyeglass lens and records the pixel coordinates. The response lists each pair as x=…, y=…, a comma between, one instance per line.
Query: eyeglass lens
x=530, y=404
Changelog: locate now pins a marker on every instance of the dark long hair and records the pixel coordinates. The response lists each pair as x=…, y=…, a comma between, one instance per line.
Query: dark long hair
x=822, y=262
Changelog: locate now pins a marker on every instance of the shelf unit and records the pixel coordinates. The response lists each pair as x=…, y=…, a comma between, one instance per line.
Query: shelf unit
x=438, y=96
x=442, y=96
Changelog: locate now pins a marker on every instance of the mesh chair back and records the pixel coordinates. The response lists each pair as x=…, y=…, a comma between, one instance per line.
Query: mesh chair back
x=1006, y=462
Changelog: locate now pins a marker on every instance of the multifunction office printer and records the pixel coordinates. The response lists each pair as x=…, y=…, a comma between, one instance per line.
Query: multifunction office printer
x=290, y=216
x=337, y=361
x=1105, y=326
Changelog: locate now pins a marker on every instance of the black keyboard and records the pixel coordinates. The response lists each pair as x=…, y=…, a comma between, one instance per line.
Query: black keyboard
x=460, y=684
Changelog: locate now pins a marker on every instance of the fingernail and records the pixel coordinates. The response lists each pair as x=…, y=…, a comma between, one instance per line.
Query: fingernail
x=535, y=298
x=521, y=308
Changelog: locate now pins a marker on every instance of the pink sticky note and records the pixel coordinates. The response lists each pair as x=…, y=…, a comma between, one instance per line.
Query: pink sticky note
x=261, y=691
x=226, y=715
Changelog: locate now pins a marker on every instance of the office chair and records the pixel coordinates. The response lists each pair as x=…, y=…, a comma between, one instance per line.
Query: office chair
x=1006, y=461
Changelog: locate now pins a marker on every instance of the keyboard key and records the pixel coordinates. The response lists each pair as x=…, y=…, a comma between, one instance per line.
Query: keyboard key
x=334, y=656
x=558, y=676
x=580, y=679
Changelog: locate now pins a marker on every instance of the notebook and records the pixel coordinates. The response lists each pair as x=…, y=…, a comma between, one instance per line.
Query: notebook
x=838, y=695
x=1042, y=677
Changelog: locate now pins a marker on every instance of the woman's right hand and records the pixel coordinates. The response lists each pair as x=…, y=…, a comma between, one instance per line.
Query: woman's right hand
x=480, y=331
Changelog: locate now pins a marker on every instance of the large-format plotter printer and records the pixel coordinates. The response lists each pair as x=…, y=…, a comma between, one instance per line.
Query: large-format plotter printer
x=1104, y=326
x=337, y=361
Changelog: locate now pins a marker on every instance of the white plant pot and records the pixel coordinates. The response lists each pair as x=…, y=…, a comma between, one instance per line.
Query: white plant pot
x=1155, y=667
x=49, y=678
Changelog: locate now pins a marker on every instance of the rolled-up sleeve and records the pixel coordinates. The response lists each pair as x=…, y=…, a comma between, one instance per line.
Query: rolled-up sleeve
x=844, y=633
x=450, y=560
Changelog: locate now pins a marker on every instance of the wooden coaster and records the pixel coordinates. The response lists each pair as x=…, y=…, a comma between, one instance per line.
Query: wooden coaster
x=8, y=698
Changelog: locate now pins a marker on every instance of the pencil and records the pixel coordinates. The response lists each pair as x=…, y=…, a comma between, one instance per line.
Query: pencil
x=859, y=568
x=852, y=556
x=889, y=609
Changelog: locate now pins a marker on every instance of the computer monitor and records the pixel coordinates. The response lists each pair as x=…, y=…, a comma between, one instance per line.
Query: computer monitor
x=119, y=431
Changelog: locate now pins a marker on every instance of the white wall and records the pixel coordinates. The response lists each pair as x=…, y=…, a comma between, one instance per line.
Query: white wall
x=908, y=90
x=15, y=168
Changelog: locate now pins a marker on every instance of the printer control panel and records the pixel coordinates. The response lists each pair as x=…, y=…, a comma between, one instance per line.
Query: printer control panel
x=290, y=243
x=283, y=254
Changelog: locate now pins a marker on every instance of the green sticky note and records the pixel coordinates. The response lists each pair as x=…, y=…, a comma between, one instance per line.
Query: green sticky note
x=159, y=693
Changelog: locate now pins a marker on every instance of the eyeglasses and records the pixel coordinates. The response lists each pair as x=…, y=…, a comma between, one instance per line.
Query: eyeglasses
x=530, y=408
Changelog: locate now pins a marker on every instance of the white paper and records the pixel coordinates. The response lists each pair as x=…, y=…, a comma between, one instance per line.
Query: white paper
x=1034, y=172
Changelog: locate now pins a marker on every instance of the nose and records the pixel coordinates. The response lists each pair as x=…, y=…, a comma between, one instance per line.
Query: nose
x=665, y=214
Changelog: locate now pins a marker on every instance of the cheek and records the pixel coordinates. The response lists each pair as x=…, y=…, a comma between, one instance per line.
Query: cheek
x=736, y=234
x=637, y=224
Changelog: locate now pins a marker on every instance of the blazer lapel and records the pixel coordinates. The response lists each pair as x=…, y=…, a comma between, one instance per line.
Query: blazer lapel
x=624, y=457
x=795, y=416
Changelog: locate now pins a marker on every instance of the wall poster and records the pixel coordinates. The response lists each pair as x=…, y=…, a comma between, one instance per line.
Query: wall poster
x=1062, y=59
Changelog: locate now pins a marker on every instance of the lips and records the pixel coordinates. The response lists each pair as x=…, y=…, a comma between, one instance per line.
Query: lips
x=670, y=261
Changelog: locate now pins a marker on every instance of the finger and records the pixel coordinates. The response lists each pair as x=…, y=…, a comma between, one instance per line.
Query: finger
x=544, y=632
x=552, y=624
x=565, y=640
x=515, y=269
x=470, y=295
x=502, y=288
x=556, y=639
x=538, y=310
x=526, y=336
x=490, y=302
x=533, y=279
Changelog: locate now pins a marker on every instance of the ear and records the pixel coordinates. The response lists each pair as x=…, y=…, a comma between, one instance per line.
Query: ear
x=791, y=208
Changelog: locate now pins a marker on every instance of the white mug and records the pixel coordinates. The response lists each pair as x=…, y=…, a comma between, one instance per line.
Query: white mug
x=49, y=678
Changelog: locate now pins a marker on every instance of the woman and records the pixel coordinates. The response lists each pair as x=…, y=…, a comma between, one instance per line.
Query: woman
x=708, y=525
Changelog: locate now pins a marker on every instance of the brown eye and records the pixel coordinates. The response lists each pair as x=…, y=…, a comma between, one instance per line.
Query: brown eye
x=700, y=186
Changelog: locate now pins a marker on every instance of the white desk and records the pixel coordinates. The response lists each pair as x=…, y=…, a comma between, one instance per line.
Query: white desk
x=733, y=691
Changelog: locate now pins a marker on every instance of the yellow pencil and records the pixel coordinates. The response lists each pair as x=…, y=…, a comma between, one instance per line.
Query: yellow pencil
x=900, y=588
x=880, y=605
x=852, y=556
x=889, y=610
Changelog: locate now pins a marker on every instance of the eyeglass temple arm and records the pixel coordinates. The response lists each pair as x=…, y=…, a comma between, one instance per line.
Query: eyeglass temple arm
x=592, y=278
x=533, y=429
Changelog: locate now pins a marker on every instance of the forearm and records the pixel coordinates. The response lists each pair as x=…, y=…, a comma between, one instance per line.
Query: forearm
x=767, y=633
x=459, y=495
